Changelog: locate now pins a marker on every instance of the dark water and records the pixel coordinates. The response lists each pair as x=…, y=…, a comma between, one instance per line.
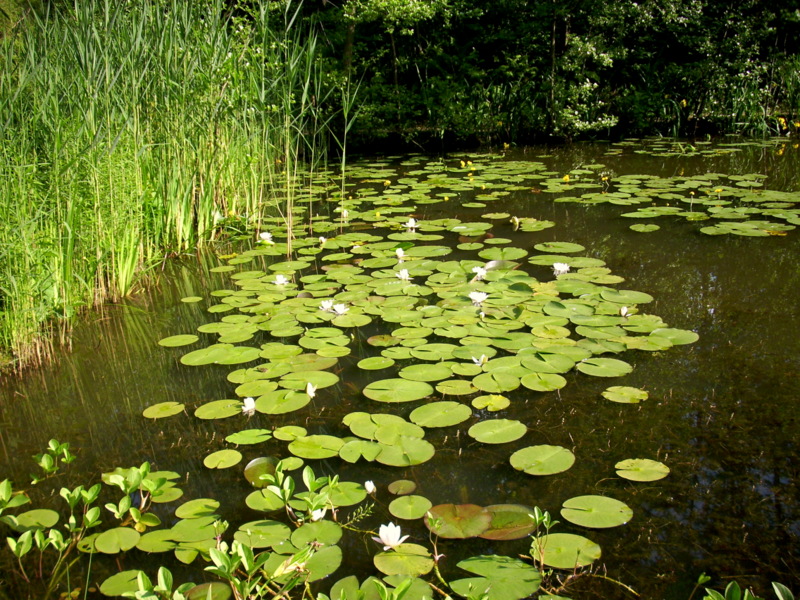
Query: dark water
x=722, y=412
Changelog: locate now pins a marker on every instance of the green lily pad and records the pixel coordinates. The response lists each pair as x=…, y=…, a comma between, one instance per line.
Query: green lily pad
x=542, y=460
x=491, y=402
x=163, y=410
x=38, y=518
x=677, y=336
x=440, y=414
x=249, y=436
x=598, y=512
x=401, y=487
x=215, y=590
x=116, y=540
x=564, y=550
x=604, y=367
x=223, y=459
x=175, y=341
x=501, y=578
x=406, y=451
x=625, y=394
x=323, y=532
x=405, y=559
x=218, y=409
x=199, y=507
x=543, y=382
x=280, y=402
x=262, y=534
x=375, y=363
x=641, y=469
x=509, y=522
x=316, y=446
x=256, y=468
x=497, y=431
x=121, y=583
x=397, y=390
x=410, y=507
x=458, y=521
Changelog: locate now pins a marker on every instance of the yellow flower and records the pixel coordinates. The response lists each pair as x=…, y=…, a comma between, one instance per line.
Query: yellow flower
x=565, y=177
x=684, y=103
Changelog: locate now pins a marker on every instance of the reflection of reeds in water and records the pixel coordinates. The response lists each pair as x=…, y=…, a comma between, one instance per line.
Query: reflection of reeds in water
x=129, y=131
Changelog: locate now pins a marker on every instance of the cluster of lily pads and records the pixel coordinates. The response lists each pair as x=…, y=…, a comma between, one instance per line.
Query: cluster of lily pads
x=454, y=329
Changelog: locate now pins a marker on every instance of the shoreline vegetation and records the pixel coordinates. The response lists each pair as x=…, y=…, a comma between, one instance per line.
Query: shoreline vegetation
x=133, y=131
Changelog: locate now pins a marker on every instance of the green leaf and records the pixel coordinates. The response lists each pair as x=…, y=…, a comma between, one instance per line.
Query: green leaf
x=641, y=469
x=564, y=550
x=542, y=460
x=596, y=511
x=405, y=559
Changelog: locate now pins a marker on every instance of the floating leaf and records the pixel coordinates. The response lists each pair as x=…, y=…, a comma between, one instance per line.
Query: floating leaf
x=256, y=468
x=509, y=522
x=641, y=469
x=565, y=550
x=491, y=402
x=163, y=410
x=262, y=534
x=199, y=507
x=316, y=446
x=405, y=559
x=542, y=460
x=223, y=459
x=440, y=414
x=121, y=583
x=249, y=436
x=624, y=394
x=397, y=390
x=410, y=507
x=497, y=431
x=175, y=341
x=458, y=520
x=116, y=540
x=677, y=336
x=596, y=511
x=402, y=487
x=502, y=578
x=604, y=367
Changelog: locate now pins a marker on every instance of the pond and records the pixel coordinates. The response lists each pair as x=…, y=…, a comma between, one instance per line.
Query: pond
x=712, y=253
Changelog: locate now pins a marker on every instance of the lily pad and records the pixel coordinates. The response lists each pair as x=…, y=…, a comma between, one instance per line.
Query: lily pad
x=509, y=522
x=497, y=431
x=564, y=550
x=223, y=459
x=440, y=414
x=641, y=469
x=458, y=521
x=410, y=507
x=604, y=367
x=625, y=394
x=397, y=390
x=175, y=341
x=598, y=512
x=116, y=540
x=542, y=460
x=401, y=487
x=163, y=410
x=405, y=559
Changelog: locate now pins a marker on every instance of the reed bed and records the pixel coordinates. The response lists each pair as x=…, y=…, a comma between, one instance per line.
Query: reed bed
x=132, y=130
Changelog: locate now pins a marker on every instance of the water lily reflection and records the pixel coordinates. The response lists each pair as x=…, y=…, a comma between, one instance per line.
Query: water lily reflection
x=389, y=536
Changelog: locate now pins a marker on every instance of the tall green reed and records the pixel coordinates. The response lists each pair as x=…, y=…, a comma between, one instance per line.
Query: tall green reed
x=133, y=130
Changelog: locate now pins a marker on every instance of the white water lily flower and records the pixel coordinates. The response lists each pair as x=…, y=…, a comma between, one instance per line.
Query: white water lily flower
x=345, y=213
x=480, y=273
x=322, y=240
x=370, y=487
x=478, y=297
x=248, y=406
x=403, y=275
x=560, y=268
x=340, y=309
x=266, y=237
x=318, y=514
x=311, y=389
x=411, y=223
x=624, y=312
x=400, y=254
x=480, y=361
x=326, y=305
x=281, y=280
x=389, y=536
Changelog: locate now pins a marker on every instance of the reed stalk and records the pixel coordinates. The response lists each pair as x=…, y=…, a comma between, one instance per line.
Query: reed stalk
x=129, y=131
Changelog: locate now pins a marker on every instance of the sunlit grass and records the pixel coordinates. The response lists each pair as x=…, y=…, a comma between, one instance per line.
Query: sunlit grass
x=132, y=130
